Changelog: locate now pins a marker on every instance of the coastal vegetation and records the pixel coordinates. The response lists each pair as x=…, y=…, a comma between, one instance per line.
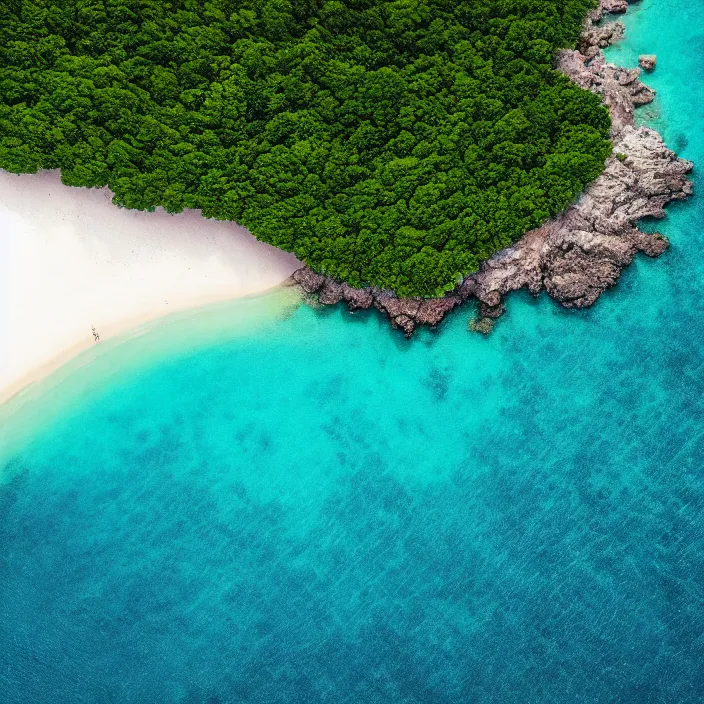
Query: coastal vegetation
x=397, y=144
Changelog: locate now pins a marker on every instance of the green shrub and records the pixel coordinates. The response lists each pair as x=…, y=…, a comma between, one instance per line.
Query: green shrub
x=391, y=143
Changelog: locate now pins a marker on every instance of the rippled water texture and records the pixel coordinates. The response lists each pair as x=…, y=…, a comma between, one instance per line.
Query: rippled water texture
x=318, y=510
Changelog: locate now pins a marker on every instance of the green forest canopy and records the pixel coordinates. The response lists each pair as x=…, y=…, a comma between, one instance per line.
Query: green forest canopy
x=396, y=143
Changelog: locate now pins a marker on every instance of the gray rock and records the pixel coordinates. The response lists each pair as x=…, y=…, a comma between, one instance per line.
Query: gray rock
x=433, y=310
x=330, y=293
x=405, y=323
x=308, y=280
x=648, y=62
x=614, y=6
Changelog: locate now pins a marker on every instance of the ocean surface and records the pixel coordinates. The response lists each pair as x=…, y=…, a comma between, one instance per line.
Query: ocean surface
x=272, y=503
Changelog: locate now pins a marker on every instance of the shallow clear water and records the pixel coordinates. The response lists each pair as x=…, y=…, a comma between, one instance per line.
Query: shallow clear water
x=317, y=510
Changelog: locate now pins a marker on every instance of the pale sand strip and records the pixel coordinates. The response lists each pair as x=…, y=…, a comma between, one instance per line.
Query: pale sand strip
x=70, y=259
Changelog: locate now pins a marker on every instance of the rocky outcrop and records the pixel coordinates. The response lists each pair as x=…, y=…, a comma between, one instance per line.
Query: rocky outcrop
x=580, y=253
x=613, y=7
x=648, y=62
x=597, y=37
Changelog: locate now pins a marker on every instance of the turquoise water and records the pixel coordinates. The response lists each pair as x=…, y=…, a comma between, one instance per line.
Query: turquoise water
x=312, y=509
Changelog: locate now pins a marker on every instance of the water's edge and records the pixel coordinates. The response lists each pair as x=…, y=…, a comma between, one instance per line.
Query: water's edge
x=41, y=402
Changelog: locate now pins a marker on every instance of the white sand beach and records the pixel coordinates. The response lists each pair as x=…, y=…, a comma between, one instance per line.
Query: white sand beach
x=71, y=260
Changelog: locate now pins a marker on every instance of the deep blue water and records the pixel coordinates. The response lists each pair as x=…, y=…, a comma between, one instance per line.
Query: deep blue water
x=312, y=509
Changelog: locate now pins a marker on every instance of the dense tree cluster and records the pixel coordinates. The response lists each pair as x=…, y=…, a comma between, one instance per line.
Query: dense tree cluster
x=390, y=142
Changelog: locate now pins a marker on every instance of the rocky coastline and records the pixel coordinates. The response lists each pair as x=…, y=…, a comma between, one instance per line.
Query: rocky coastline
x=580, y=253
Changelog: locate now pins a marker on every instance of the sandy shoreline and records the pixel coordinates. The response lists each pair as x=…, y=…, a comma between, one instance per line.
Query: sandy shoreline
x=70, y=260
